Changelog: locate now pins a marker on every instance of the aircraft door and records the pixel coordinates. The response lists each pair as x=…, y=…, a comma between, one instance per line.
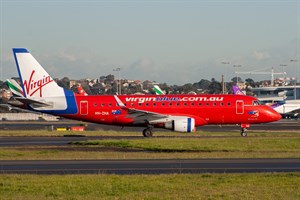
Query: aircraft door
x=83, y=107
x=240, y=107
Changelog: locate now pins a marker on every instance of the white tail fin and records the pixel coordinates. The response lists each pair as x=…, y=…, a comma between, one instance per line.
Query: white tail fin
x=35, y=81
x=15, y=87
x=40, y=91
x=157, y=90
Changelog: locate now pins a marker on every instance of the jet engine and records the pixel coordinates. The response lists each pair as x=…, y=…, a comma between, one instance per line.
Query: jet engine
x=181, y=124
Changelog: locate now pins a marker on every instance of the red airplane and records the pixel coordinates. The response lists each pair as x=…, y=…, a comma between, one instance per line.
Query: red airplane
x=181, y=113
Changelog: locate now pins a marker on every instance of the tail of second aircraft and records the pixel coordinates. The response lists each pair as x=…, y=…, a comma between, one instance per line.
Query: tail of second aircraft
x=15, y=87
x=157, y=90
x=237, y=90
x=81, y=91
x=40, y=91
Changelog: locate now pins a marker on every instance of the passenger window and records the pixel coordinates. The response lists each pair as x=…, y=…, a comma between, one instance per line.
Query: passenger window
x=170, y=104
x=95, y=104
x=147, y=104
x=228, y=103
x=178, y=104
x=185, y=104
x=140, y=104
x=199, y=104
x=214, y=103
x=207, y=104
x=132, y=104
x=154, y=104
x=192, y=104
x=102, y=105
x=163, y=104
x=110, y=105
x=221, y=104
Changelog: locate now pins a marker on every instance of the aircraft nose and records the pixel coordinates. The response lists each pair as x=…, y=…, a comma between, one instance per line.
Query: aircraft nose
x=275, y=115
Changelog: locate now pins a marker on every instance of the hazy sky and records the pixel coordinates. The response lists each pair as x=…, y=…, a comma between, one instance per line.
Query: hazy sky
x=167, y=41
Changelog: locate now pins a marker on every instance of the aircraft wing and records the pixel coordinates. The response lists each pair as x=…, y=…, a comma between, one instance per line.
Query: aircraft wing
x=142, y=116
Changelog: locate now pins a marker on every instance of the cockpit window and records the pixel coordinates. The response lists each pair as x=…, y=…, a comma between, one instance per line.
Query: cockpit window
x=256, y=103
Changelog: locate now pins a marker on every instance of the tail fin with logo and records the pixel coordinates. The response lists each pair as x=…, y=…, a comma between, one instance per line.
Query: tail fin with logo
x=15, y=88
x=157, y=90
x=35, y=81
x=40, y=91
x=237, y=90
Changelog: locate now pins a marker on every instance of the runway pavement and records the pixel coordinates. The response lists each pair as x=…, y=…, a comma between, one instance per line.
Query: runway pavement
x=150, y=166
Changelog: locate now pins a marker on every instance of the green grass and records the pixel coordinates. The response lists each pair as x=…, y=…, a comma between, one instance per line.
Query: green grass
x=265, y=145
x=239, y=144
x=176, y=186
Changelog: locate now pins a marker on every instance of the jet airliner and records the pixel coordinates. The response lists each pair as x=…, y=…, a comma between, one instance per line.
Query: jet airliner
x=181, y=113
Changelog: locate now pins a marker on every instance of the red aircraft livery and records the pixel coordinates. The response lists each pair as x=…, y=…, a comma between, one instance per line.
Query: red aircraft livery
x=181, y=113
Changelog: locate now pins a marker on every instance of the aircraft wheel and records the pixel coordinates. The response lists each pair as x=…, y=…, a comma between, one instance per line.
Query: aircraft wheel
x=147, y=132
x=243, y=132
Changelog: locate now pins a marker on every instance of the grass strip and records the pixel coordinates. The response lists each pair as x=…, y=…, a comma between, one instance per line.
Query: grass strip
x=164, y=148
x=175, y=186
x=202, y=145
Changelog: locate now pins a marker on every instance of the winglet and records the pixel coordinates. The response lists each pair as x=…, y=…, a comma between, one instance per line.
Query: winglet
x=119, y=102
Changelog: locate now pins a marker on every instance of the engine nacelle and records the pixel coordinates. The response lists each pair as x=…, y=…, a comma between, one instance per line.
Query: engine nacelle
x=181, y=124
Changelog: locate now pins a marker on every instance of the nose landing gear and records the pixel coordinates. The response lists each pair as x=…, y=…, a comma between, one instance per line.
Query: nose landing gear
x=243, y=132
x=244, y=129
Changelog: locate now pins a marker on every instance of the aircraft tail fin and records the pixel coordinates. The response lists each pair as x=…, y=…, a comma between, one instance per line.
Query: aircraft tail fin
x=15, y=88
x=35, y=81
x=157, y=90
x=274, y=105
x=237, y=90
x=40, y=91
x=81, y=91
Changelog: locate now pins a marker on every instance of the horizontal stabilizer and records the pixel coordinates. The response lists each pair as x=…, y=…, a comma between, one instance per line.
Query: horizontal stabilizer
x=32, y=102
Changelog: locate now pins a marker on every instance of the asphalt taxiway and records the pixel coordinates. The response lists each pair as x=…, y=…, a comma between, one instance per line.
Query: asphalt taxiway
x=159, y=166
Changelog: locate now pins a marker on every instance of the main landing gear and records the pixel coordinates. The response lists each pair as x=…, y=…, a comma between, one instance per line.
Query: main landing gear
x=148, y=132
